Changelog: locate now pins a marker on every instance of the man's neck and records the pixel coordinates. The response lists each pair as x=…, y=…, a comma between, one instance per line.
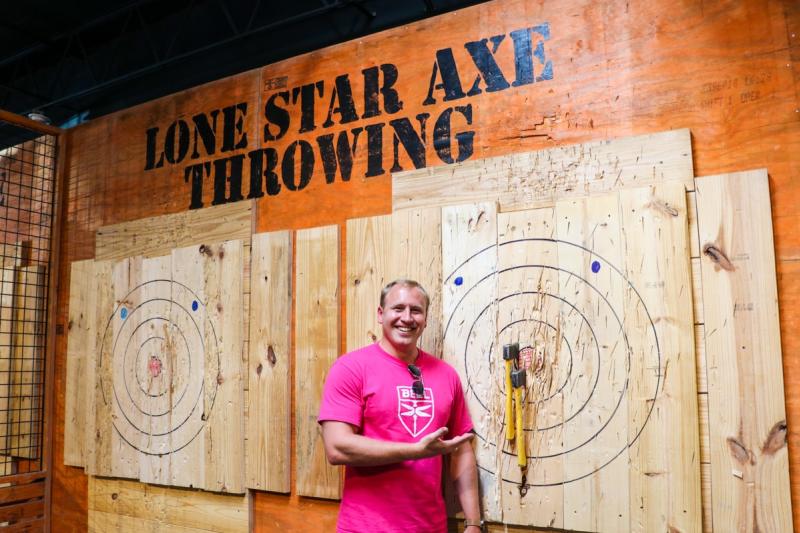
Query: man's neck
x=408, y=356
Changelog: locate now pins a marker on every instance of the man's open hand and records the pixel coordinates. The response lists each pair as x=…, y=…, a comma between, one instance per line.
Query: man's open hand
x=434, y=443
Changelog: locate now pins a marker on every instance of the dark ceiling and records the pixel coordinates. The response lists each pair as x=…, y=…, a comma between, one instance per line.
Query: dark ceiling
x=76, y=60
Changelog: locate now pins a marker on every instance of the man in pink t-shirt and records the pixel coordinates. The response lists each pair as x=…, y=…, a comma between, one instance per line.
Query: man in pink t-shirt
x=385, y=412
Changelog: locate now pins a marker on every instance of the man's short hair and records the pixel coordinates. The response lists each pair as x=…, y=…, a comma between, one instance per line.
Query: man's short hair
x=410, y=283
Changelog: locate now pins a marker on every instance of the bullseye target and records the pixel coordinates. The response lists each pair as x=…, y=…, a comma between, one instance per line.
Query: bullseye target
x=160, y=349
x=593, y=372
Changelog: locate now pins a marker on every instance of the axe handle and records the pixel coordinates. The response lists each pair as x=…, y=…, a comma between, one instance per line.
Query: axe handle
x=510, y=431
x=522, y=454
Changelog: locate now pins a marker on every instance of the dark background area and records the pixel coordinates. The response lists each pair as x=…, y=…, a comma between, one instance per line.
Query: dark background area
x=73, y=60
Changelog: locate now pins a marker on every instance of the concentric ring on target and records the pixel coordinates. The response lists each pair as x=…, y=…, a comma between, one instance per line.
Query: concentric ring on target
x=162, y=348
x=590, y=408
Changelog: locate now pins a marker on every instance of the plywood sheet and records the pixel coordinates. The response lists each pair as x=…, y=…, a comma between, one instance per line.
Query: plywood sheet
x=117, y=505
x=168, y=406
x=469, y=310
x=79, y=342
x=749, y=456
x=535, y=179
x=159, y=235
x=611, y=375
x=316, y=349
x=665, y=457
x=269, y=418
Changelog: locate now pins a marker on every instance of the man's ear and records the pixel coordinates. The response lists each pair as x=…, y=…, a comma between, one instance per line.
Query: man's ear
x=380, y=315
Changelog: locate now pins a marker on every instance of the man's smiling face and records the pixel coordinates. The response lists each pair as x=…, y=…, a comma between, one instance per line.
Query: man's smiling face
x=403, y=317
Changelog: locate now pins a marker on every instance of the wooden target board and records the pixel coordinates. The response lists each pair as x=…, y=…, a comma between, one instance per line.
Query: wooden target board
x=165, y=365
x=599, y=291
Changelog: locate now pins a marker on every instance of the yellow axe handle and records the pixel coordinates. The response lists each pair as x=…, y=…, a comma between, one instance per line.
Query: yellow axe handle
x=510, y=432
x=522, y=454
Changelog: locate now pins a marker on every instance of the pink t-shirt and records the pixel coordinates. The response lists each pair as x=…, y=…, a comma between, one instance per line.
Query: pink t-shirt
x=370, y=389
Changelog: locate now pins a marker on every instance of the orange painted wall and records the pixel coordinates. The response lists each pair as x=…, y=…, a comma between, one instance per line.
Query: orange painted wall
x=728, y=70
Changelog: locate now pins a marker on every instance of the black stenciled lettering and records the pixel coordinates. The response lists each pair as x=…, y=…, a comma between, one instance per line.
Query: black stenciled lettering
x=262, y=164
x=276, y=116
x=374, y=150
x=228, y=177
x=442, y=132
x=206, y=131
x=487, y=66
x=445, y=65
x=342, y=157
x=308, y=94
x=413, y=143
x=178, y=132
x=343, y=94
x=306, y=165
x=196, y=173
x=150, y=154
x=524, y=54
x=233, y=135
x=372, y=91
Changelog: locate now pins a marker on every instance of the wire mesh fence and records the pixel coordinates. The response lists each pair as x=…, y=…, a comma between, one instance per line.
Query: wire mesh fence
x=27, y=187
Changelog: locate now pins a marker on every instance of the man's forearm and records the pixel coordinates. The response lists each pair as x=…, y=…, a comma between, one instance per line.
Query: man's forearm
x=464, y=473
x=358, y=450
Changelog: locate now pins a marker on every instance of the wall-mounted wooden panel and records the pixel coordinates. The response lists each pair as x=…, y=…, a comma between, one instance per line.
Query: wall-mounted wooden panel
x=268, y=414
x=749, y=454
x=725, y=71
x=316, y=348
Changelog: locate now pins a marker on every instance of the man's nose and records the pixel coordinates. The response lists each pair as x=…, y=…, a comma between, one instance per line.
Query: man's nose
x=406, y=314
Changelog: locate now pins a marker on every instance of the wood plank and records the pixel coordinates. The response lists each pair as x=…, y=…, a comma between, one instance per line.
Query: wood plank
x=469, y=293
x=529, y=313
x=122, y=504
x=539, y=179
x=15, y=493
x=99, y=430
x=269, y=416
x=24, y=436
x=595, y=428
x=125, y=419
x=316, y=349
x=8, y=289
x=26, y=526
x=156, y=236
x=78, y=342
x=22, y=511
x=367, y=263
x=666, y=457
x=749, y=457
x=697, y=292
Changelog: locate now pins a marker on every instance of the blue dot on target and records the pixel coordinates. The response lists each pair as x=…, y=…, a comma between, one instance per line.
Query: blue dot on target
x=595, y=266
x=123, y=313
x=458, y=281
x=194, y=305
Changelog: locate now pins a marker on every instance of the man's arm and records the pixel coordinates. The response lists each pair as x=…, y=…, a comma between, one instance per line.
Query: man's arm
x=464, y=473
x=344, y=446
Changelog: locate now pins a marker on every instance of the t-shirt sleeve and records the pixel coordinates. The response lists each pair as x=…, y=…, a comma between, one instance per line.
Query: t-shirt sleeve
x=341, y=396
x=460, y=422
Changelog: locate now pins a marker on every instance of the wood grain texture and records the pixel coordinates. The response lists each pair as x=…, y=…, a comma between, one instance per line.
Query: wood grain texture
x=155, y=236
x=316, y=349
x=471, y=232
x=269, y=418
x=79, y=341
x=117, y=505
x=728, y=71
x=749, y=457
x=536, y=179
x=666, y=459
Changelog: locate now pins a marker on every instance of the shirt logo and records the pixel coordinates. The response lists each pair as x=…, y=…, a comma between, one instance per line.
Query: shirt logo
x=416, y=414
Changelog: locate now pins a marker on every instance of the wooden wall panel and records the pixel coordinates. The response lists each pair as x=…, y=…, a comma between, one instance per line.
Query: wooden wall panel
x=726, y=71
x=80, y=330
x=749, y=455
x=316, y=349
x=268, y=425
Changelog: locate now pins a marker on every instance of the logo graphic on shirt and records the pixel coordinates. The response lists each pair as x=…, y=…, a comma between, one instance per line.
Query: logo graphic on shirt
x=414, y=413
